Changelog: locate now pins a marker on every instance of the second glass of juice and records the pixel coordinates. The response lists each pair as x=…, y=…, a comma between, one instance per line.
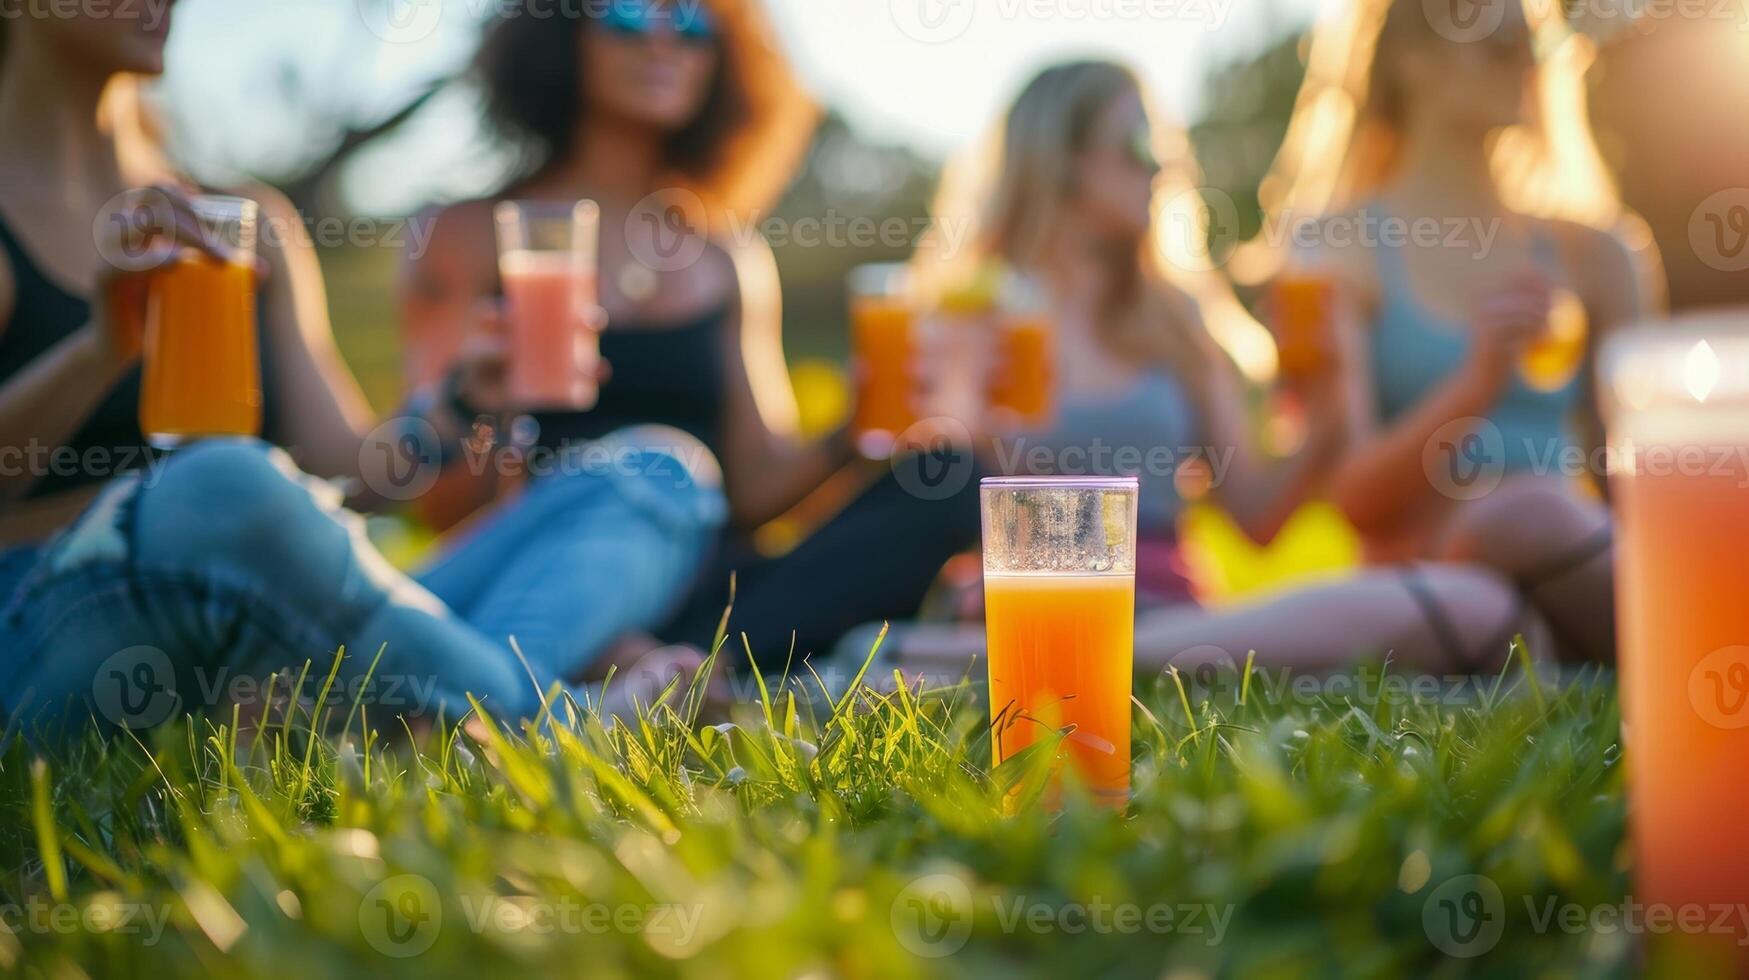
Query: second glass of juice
x=546, y=259
x=201, y=369
x=1059, y=614
x=883, y=338
x=1554, y=359
x=1304, y=316
x=1677, y=401
x=1022, y=388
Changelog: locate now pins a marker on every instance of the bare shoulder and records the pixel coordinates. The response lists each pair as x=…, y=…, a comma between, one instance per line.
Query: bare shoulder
x=1590, y=247
x=737, y=271
x=1605, y=267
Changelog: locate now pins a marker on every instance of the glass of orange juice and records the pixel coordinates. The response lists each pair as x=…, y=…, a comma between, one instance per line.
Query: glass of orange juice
x=1304, y=315
x=1676, y=398
x=883, y=339
x=1059, y=616
x=201, y=371
x=1022, y=388
x=1553, y=359
x=546, y=259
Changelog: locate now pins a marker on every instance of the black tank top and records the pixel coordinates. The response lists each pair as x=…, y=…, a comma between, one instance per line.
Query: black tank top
x=43, y=315
x=671, y=375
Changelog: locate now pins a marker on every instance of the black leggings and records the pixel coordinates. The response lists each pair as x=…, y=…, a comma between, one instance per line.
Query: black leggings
x=875, y=560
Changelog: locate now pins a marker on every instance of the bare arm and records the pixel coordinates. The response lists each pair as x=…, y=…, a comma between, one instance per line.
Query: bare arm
x=766, y=467
x=323, y=413
x=1382, y=481
x=1612, y=282
x=1259, y=491
x=45, y=403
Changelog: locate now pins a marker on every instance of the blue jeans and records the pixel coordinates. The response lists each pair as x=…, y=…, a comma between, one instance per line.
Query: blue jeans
x=187, y=591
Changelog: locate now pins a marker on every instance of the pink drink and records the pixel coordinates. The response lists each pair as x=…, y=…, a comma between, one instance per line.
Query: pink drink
x=553, y=335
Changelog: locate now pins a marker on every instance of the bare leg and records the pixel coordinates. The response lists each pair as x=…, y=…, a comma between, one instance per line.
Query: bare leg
x=1472, y=616
x=1440, y=618
x=1555, y=546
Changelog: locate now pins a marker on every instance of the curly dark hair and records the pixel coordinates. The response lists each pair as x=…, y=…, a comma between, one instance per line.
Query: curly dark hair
x=736, y=153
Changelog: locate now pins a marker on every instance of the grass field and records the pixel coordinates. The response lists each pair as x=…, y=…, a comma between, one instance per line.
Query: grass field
x=1365, y=824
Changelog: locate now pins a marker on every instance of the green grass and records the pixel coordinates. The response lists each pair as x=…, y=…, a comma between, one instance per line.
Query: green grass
x=1313, y=833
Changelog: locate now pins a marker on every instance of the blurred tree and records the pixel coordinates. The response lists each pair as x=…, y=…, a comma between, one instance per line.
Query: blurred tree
x=1248, y=103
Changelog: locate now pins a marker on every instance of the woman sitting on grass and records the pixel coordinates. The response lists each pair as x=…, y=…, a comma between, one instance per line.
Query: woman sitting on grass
x=1468, y=219
x=139, y=585
x=1072, y=204
x=682, y=123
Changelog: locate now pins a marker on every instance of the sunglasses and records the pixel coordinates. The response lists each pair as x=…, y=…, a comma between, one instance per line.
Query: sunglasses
x=632, y=19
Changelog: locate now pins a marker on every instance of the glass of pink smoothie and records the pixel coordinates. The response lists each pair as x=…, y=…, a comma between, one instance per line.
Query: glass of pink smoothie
x=546, y=259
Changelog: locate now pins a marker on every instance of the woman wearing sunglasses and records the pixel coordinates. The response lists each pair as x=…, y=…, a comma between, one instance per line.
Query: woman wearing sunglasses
x=1475, y=233
x=681, y=121
x=1075, y=198
x=137, y=585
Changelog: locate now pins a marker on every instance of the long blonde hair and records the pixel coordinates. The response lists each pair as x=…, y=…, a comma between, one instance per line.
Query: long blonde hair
x=1006, y=197
x=1344, y=139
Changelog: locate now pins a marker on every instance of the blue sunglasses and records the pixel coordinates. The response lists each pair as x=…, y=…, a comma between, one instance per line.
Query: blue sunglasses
x=630, y=18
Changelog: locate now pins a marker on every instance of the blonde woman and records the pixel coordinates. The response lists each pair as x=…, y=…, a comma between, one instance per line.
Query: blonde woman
x=1072, y=202
x=1464, y=213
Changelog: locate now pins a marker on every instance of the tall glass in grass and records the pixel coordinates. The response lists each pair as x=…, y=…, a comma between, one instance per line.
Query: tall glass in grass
x=1059, y=613
x=546, y=258
x=1677, y=398
x=201, y=371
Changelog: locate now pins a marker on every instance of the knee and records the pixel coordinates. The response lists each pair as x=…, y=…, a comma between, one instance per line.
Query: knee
x=671, y=474
x=226, y=493
x=1517, y=527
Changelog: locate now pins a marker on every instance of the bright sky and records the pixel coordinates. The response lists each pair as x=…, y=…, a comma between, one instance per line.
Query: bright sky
x=932, y=73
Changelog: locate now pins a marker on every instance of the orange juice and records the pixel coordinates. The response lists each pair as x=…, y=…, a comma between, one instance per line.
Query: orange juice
x=1305, y=306
x=1061, y=649
x=882, y=331
x=1554, y=358
x=554, y=346
x=1022, y=388
x=1682, y=580
x=201, y=374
